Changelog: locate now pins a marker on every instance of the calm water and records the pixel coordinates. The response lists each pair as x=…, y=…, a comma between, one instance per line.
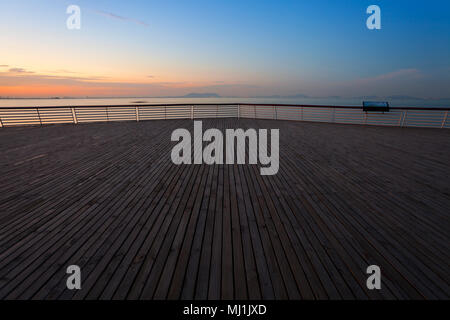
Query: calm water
x=127, y=101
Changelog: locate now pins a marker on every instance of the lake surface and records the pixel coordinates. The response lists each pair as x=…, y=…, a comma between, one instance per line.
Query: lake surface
x=128, y=101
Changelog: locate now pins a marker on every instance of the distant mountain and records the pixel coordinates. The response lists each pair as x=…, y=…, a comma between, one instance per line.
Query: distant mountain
x=276, y=96
x=333, y=97
x=268, y=97
x=393, y=97
x=366, y=97
x=399, y=97
x=201, y=95
x=298, y=96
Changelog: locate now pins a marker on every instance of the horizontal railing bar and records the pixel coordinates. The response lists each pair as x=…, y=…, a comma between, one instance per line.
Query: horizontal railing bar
x=101, y=107
x=403, y=117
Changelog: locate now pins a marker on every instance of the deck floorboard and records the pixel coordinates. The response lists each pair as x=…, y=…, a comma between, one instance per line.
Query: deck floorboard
x=107, y=197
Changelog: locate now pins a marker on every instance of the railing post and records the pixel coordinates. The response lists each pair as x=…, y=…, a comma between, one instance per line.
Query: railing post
x=303, y=108
x=74, y=116
x=276, y=113
x=405, y=115
x=107, y=114
x=239, y=111
x=137, y=113
x=254, y=108
x=217, y=110
x=192, y=112
x=444, y=120
x=39, y=116
x=365, y=118
x=1, y=123
x=333, y=116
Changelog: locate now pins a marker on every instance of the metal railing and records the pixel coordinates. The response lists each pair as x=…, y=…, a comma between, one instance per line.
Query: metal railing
x=402, y=117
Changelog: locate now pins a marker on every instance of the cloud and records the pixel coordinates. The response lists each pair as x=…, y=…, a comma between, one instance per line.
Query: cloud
x=401, y=82
x=63, y=71
x=19, y=70
x=402, y=73
x=19, y=76
x=4, y=66
x=45, y=85
x=117, y=17
x=22, y=77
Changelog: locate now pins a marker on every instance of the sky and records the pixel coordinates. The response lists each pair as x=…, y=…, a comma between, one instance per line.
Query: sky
x=232, y=48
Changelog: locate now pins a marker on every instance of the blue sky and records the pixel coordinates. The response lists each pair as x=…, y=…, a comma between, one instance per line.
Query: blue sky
x=240, y=48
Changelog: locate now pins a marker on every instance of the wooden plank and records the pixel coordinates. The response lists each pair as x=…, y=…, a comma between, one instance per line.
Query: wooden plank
x=107, y=197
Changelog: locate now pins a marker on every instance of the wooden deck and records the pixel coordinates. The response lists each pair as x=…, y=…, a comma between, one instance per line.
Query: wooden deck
x=107, y=197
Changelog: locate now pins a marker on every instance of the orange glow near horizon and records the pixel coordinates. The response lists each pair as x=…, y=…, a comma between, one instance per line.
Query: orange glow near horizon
x=27, y=83
x=57, y=91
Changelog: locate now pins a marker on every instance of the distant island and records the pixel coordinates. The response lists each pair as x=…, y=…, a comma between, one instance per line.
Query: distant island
x=200, y=95
x=399, y=97
x=276, y=96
